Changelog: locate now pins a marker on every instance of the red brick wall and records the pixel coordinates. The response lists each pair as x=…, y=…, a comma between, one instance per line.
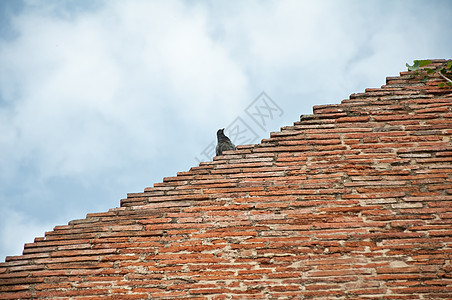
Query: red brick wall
x=354, y=201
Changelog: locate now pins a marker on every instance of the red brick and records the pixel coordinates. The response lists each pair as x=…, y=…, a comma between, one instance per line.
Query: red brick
x=322, y=294
x=339, y=272
x=17, y=295
x=208, y=291
x=421, y=289
x=353, y=119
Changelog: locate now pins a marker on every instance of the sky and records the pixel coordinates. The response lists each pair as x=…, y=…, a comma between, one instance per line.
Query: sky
x=103, y=98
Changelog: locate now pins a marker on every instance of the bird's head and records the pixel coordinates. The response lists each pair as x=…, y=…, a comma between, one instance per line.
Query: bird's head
x=221, y=136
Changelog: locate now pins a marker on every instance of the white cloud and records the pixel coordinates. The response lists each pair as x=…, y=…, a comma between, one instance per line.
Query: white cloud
x=17, y=229
x=122, y=69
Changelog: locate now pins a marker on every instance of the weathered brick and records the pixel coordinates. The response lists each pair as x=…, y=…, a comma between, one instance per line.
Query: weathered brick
x=353, y=119
x=351, y=202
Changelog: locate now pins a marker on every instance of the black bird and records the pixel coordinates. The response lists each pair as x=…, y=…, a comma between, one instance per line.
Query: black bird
x=224, y=143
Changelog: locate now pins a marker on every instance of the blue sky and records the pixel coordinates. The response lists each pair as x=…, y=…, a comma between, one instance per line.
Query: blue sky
x=103, y=98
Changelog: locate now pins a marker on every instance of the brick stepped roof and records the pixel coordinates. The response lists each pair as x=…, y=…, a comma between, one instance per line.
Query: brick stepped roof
x=354, y=201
